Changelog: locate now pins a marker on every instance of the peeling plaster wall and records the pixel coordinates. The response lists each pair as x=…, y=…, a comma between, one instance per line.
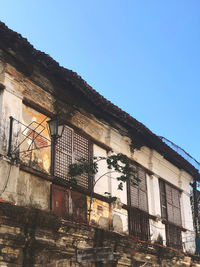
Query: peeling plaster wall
x=17, y=186
x=9, y=174
x=11, y=106
x=100, y=213
x=33, y=191
x=22, y=188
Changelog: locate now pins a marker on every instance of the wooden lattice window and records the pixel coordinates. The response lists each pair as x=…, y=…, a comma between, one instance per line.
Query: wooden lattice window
x=171, y=211
x=69, y=148
x=138, y=207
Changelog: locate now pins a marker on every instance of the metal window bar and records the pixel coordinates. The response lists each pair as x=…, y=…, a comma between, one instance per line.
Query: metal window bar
x=139, y=224
x=174, y=238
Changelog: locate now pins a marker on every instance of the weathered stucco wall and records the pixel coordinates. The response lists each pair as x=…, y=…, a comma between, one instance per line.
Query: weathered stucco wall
x=24, y=189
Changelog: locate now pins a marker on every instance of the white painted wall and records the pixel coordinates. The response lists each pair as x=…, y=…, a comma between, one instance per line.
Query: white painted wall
x=17, y=186
x=166, y=170
x=103, y=185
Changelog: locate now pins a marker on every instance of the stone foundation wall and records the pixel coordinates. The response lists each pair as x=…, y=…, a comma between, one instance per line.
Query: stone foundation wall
x=31, y=237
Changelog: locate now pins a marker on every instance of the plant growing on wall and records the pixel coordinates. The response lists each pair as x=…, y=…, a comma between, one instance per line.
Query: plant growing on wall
x=118, y=163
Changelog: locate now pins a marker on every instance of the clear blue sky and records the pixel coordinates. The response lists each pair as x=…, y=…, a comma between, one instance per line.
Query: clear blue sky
x=143, y=55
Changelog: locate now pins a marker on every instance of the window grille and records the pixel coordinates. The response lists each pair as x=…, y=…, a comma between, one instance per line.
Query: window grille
x=173, y=234
x=69, y=148
x=139, y=223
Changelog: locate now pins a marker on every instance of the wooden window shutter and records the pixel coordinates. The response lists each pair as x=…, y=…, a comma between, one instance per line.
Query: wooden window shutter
x=69, y=204
x=143, y=202
x=142, y=177
x=163, y=199
x=170, y=199
x=176, y=206
x=173, y=204
x=134, y=196
x=59, y=201
x=138, y=193
x=79, y=207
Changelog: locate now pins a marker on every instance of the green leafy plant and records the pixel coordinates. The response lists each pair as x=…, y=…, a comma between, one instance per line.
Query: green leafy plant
x=117, y=163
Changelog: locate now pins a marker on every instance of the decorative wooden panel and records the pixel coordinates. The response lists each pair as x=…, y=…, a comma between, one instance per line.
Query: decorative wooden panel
x=69, y=204
x=64, y=153
x=81, y=150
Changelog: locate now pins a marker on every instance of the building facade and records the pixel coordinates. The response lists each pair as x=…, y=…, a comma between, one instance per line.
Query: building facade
x=145, y=221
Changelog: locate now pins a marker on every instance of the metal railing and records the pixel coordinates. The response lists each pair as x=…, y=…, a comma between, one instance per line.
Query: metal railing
x=181, y=152
x=29, y=145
